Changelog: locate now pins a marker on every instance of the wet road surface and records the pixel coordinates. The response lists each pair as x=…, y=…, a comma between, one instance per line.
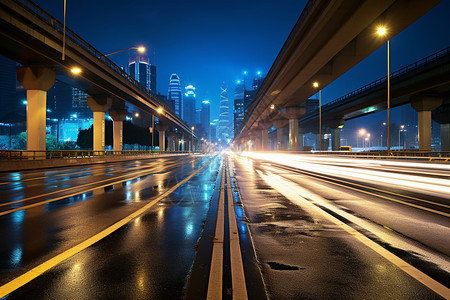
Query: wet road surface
x=226, y=226
x=319, y=238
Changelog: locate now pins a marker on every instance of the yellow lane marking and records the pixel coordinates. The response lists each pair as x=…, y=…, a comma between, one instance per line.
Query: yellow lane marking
x=35, y=272
x=92, y=170
x=285, y=187
x=216, y=270
x=138, y=174
x=237, y=268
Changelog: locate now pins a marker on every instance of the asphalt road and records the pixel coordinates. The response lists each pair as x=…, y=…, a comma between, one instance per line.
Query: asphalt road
x=196, y=226
x=339, y=228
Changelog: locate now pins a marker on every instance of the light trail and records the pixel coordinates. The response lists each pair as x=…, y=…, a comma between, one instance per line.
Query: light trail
x=416, y=183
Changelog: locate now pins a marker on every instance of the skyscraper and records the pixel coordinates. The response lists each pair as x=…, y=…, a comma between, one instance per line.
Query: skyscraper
x=205, y=118
x=79, y=104
x=140, y=69
x=238, y=107
x=223, y=128
x=189, y=105
x=175, y=94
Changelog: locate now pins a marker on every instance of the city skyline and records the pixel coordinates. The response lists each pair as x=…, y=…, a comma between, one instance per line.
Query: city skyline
x=205, y=52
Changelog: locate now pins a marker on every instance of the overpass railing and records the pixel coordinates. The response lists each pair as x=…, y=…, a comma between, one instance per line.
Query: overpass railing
x=66, y=154
x=431, y=58
x=52, y=21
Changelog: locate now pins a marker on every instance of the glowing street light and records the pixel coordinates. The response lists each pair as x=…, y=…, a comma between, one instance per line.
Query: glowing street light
x=75, y=70
x=381, y=31
x=361, y=133
x=316, y=85
x=159, y=110
x=140, y=49
x=400, y=130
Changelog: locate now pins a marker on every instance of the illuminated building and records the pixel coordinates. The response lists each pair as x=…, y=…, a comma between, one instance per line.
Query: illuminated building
x=223, y=129
x=189, y=105
x=175, y=94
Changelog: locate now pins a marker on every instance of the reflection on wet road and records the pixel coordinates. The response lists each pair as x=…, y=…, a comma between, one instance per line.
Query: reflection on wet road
x=151, y=255
x=227, y=226
x=328, y=228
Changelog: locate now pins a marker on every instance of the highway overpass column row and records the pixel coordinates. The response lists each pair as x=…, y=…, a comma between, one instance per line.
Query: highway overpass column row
x=335, y=139
x=171, y=140
x=424, y=104
x=162, y=136
x=279, y=125
x=293, y=113
x=99, y=105
x=264, y=133
x=37, y=81
x=293, y=134
x=118, y=115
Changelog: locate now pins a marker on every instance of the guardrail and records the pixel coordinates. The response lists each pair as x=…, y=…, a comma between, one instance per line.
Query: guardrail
x=395, y=154
x=65, y=154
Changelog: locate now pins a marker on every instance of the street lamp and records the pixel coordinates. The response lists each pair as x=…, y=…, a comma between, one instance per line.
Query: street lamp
x=381, y=32
x=316, y=85
x=139, y=49
x=361, y=132
x=159, y=110
x=400, y=130
x=192, y=138
x=75, y=70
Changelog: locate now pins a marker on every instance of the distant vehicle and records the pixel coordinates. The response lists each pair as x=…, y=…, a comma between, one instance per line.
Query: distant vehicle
x=345, y=148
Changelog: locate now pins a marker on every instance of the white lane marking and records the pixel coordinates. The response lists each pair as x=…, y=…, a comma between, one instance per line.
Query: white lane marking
x=290, y=191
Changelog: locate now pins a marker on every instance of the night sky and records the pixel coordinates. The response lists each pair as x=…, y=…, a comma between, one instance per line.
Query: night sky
x=210, y=42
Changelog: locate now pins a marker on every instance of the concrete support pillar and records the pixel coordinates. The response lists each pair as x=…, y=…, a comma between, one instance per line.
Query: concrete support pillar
x=171, y=141
x=424, y=118
x=279, y=125
x=424, y=104
x=37, y=81
x=162, y=128
x=293, y=134
x=258, y=146
x=99, y=105
x=118, y=115
x=264, y=140
x=335, y=139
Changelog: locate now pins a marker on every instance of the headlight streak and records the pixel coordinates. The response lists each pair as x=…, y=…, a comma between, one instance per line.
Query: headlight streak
x=437, y=186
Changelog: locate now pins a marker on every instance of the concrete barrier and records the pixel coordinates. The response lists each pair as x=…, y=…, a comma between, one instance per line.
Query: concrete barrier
x=22, y=165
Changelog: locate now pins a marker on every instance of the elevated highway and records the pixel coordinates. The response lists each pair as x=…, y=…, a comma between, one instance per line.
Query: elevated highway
x=32, y=37
x=329, y=38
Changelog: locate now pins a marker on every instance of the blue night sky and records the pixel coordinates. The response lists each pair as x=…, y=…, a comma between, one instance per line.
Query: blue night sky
x=210, y=42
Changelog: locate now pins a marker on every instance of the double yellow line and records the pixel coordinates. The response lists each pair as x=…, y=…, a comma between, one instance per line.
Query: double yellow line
x=237, y=269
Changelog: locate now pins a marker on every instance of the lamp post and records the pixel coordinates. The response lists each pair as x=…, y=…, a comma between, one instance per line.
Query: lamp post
x=316, y=85
x=382, y=31
x=361, y=132
x=399, y=131
x=139, y=49
x=192, y=138
x=159, y=111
